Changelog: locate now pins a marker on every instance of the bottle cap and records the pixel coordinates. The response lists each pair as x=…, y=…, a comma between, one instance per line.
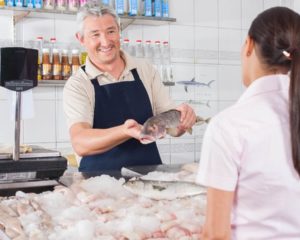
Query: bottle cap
x=75, y=51
x=55, y=50
x=65, y=51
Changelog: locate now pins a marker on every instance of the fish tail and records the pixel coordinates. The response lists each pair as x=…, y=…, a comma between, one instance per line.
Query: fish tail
x=207, y=104
x=210, y=82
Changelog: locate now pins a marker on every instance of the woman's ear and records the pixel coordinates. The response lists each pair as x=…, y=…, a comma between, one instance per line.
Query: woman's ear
x=249, y=46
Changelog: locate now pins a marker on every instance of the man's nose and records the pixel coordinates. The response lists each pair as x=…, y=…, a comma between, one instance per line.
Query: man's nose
x=104, y=40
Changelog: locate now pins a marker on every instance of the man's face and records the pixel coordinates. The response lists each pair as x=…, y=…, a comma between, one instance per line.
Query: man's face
x=101, y=38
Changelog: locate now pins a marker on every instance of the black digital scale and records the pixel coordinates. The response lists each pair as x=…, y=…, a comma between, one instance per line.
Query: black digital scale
x=39, y=169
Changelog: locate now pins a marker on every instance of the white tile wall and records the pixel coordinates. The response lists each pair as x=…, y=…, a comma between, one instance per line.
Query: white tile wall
x=229, y=46
x=250, y=11
x=205, y=43
x=184, y=15
x=229, y=14
x=206, y=13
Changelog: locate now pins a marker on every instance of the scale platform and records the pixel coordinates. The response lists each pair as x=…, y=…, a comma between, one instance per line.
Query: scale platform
x=36, y=171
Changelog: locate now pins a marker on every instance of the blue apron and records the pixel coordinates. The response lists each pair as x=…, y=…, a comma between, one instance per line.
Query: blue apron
x=114, y=104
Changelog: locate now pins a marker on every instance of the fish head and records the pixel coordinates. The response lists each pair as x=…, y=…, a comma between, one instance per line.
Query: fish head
x=151, y=131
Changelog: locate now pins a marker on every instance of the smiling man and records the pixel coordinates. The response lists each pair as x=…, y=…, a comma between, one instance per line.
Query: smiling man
x=106, y=100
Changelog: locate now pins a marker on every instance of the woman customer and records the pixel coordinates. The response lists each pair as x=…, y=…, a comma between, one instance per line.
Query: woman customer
x=251, y=151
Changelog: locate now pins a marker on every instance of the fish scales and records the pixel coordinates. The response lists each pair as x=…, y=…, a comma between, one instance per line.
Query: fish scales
x=164, y=123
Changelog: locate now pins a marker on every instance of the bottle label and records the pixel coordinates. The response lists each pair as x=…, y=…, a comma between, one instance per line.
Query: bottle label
x=165, y=9
x=38, y=3
x=120, y=7
x=75, y=68
x=83, y=57
x=148, y=8
x=66, y=70
x=56, y=69
x=157, y=8
x=133, y=7
x=46, y=70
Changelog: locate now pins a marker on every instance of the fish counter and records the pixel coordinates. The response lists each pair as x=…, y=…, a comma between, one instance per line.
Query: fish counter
x=160, y=202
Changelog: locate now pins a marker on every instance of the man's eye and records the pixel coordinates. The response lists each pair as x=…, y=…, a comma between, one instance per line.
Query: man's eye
x=96, y=35
x=111, y=32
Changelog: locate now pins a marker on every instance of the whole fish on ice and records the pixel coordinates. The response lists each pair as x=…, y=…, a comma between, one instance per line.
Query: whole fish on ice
x=163, y=190
x=164, y=123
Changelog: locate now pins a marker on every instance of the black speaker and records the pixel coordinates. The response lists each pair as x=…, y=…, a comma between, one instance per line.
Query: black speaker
x=18, y=68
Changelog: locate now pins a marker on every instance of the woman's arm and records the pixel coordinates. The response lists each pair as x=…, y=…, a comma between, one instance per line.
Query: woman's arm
x=218, y=215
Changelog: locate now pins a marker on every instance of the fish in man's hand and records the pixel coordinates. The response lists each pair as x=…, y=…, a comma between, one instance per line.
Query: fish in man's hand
x=164, y=123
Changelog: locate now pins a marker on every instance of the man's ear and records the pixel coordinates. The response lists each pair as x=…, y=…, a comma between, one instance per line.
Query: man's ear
x=79, y=37
x=249, y=46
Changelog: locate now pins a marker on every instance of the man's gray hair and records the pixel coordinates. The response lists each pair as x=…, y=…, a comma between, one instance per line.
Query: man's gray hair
x=94, y=9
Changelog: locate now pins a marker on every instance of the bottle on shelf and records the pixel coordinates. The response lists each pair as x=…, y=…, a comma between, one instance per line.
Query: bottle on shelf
x=18, y=3
x=73, y=5
x=157, y=9
x=38, y=4
x=46, y=65
x=127, y=47
x=82, y=3
x=147, y=8
x=28, y=3
x=61, y=5
x=52, y=46
x=165, y=8
x=133, y=7
x=148, y=50
x=39, y=47
x=65, y=65
x=121, y=7
x=56, y=65
x=83, y=56
x=157, y=57
x=139, y=49
x=167, y=74
x=10, y=3
x=49, y=4
x=75, y=63
x=108, y=3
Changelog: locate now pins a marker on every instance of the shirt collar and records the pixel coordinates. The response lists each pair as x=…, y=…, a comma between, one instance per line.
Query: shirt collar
x=266, y=84
x=93, y=72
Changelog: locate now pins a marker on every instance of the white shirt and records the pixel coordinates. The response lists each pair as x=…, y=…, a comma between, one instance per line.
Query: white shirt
x=247, y=149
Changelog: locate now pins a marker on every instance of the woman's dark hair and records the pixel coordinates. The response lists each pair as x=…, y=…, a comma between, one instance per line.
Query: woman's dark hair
x=276, y=33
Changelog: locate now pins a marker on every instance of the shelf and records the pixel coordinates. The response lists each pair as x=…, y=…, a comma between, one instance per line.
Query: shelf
x=51, y=83
x=61, y=83
x=20, y=13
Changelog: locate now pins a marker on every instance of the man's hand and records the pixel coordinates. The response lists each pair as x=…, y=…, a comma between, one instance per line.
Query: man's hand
x=187, y=118
x=132, y=128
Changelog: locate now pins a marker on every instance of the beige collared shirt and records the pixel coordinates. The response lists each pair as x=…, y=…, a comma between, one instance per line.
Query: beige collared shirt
x=79, y=95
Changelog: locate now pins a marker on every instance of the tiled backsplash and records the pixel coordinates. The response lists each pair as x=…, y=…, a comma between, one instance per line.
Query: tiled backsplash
x=205, y=44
